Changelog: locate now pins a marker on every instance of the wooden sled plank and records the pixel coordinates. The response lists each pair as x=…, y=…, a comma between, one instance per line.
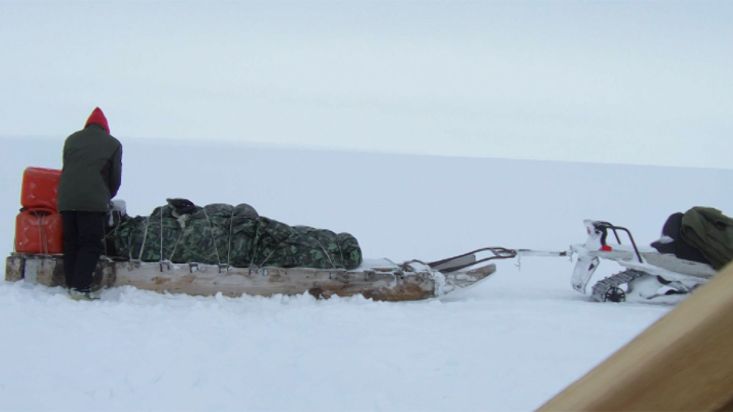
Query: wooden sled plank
x=14, y=266
x=683, y=362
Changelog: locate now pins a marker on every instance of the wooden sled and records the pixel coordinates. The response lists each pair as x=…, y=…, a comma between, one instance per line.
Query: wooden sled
x=375, y=279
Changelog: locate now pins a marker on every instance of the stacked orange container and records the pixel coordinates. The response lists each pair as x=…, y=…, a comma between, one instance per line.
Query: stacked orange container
x=38, y=228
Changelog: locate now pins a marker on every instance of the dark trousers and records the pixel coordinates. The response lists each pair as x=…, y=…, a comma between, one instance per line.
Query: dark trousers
x=83, y=236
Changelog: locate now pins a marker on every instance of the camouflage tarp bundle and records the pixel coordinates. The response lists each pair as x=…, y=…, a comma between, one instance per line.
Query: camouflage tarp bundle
x=233, y=235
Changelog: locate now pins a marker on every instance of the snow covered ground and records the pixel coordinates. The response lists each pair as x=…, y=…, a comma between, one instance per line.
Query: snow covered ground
x=509, y=343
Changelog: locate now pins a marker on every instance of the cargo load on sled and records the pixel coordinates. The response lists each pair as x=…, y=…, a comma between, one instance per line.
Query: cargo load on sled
x=204, y=250
x=222, y=234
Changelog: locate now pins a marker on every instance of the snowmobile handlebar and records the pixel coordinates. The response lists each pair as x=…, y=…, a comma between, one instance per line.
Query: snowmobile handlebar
x=602, y=228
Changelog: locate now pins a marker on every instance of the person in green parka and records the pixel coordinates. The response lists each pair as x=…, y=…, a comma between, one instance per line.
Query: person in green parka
x=90, y=178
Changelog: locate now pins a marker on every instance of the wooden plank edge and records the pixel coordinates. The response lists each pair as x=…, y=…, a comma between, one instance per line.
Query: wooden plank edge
x=14, y=265
x=684, y=361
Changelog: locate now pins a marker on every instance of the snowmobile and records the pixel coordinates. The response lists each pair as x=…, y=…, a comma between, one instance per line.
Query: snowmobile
x=648, y=275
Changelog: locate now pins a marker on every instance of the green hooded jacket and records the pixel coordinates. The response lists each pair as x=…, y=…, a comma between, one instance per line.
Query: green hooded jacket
x=92, y=170
x=711, y=232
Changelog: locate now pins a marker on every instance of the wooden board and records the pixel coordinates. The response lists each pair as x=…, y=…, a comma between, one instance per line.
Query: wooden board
x=14, y=266
x=683, y=362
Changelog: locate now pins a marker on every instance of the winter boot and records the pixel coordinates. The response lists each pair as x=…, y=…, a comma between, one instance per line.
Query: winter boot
x=75, y=294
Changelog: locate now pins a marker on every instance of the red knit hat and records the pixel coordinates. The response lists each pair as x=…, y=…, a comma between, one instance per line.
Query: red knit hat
x=97, y=117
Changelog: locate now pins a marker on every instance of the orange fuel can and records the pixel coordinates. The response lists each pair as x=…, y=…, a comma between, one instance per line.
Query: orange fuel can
x=38, y=231
x=40, y=188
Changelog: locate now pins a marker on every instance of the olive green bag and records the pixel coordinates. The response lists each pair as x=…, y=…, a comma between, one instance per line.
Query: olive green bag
x=711, y=232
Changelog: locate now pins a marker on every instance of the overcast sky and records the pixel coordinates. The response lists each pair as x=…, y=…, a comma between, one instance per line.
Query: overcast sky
x=623, y=82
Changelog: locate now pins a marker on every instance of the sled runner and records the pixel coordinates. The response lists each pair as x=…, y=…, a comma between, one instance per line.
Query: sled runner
x=379, y=279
